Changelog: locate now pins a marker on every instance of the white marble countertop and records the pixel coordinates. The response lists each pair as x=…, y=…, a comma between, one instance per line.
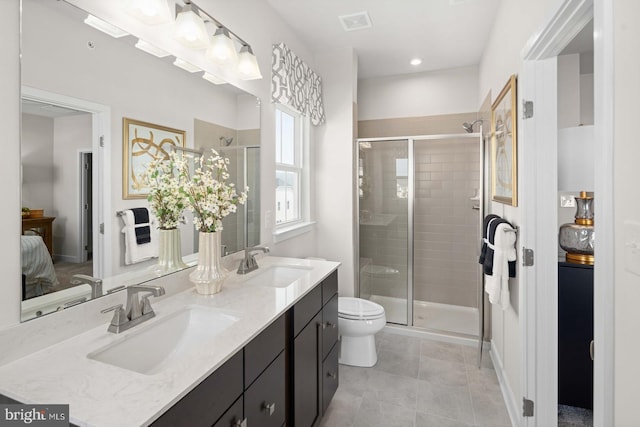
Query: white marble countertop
x=100, y=394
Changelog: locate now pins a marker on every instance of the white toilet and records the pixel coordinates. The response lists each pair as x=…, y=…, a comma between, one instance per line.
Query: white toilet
x=358, y=321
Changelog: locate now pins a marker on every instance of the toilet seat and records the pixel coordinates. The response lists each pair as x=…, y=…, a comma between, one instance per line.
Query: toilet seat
x=359, y=309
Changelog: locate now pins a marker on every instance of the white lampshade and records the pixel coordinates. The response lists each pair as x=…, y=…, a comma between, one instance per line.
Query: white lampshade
x=150, y=12
x=248, y=68
x=222, y=49
x=190, y=29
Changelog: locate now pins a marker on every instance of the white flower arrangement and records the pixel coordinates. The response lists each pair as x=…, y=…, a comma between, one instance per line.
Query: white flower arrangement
x=209, y=196
x=166, y=196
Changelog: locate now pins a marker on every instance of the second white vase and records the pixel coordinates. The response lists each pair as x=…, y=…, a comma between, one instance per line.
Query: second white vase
x=209, y=275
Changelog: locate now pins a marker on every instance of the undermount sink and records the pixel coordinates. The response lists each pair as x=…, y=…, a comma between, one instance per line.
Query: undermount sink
x=156, y=346
x=279, y=276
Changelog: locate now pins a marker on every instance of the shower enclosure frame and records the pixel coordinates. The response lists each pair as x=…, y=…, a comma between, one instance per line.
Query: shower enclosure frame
x=411, y=141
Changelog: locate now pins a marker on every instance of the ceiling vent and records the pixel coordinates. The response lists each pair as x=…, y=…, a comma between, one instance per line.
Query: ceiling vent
x=356, y=21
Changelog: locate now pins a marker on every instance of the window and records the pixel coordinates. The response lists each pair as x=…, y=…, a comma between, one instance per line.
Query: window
x=292, y=180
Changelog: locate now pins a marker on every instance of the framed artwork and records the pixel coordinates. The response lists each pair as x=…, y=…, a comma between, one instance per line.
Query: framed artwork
x=504, y=165
x=143, y=142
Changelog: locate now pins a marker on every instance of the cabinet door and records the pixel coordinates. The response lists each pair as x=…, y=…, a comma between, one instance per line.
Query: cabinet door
x=261, y=351
x=330, y=378
x=306, y=309
x=306, y=364
x=329, y=325
x=265, y=399
x=233, y=417
x=209, y=400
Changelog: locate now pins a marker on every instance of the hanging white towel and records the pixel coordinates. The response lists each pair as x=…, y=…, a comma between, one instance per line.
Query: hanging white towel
x=497, y=284
x=134, y=252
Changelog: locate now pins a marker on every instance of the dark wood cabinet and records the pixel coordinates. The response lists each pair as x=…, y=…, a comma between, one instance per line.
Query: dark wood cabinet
x=575, y=333
x=287, y=375
x=206, y=403
x=315, y=353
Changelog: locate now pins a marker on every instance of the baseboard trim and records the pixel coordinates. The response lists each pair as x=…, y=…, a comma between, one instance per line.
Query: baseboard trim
x=507, y=394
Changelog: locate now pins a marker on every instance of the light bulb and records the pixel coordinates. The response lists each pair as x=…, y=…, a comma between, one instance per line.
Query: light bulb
x=190, y=29
x=222, y=49
x=248, y=68
x=150, y=12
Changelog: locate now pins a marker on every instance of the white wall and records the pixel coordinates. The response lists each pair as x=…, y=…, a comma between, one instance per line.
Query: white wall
x=10, y=161
x=334, y=163
x=516, y=21
x=626, y=207
x=568, y=91
x=71, y=135
x=420, y=94
x=37, y=163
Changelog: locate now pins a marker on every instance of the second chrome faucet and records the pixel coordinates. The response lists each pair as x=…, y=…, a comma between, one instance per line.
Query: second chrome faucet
x=137, y=309
x=249, y=263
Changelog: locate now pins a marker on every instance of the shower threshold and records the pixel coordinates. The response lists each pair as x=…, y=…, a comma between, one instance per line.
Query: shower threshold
x=429, y=315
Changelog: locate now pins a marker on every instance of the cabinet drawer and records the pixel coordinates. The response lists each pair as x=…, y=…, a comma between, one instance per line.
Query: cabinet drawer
x=330, y=377
x=329, y=287
x=265, y=399
x=306, y=309
x=329, y=325
x=261, y=351
x=233, y=416
x=209, y=400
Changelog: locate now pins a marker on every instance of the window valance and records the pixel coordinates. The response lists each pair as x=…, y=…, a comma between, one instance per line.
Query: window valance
x=294, y=84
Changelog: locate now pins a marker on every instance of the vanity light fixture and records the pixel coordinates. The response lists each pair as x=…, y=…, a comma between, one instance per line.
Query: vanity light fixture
x=151, y=49
x=151, y=12
x=416, y=61
x=213, y=79
x=105, y=27
x=248, y=68
x=181, y=63
x=222, y=49
x=190, y=29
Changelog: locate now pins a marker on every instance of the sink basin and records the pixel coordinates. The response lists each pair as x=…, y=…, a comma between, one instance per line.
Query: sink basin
x=156, y=346
x=279, y=276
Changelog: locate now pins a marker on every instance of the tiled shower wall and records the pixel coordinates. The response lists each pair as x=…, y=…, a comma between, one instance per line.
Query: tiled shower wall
x=445, y=224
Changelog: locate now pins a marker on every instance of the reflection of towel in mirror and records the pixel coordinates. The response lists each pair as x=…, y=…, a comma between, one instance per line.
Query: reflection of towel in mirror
x=142, y=229
x=134, y=251
x=504, y=250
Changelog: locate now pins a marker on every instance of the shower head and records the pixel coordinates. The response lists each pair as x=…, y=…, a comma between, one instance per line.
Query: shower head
x=468, y=127
x=226, y=141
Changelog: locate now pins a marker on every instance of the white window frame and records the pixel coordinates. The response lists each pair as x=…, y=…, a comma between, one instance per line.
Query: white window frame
x=303, y=224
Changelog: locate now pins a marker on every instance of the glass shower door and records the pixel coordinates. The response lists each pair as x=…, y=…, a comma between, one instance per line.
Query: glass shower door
x=384, y=195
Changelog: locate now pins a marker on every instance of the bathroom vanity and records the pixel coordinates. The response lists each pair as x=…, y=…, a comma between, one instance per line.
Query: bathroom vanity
x=263, y=350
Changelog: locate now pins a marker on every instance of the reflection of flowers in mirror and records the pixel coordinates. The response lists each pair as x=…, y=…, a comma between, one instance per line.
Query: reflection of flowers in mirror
x=167, y=198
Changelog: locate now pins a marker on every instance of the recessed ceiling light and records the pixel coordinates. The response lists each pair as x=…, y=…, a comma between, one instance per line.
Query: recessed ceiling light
x=416, y=61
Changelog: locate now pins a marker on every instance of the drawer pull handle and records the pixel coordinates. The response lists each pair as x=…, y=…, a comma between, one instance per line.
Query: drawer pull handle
x=241, y=423
x=269, y=407
x=329, y=325
x=591, y=349
x=332, y=376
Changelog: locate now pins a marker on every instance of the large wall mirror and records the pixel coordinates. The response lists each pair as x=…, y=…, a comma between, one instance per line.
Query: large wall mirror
x=78, y=85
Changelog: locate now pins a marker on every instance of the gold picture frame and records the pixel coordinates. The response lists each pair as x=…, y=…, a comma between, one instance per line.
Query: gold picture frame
x=142, y=142
x=504, y=144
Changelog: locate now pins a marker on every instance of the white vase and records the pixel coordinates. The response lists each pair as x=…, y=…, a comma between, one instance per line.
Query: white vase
x=169, y=252
x=209, y=275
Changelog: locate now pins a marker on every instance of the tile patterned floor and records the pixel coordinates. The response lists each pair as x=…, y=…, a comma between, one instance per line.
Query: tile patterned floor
x=418, y=383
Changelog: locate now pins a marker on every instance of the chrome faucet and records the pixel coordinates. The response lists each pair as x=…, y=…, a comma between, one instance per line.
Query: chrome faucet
x=249, y=263
x=137, y=310
x=94, y=282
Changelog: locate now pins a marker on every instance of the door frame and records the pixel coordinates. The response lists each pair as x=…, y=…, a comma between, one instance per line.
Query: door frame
x=101, y=170
x=83, y=239
x=539, y=317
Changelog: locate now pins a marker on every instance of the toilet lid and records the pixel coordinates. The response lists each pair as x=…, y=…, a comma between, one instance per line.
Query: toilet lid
x=358, y=308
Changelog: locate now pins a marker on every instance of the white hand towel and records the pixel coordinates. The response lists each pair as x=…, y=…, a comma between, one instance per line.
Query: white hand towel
x=497, y=284
x=134, y=252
